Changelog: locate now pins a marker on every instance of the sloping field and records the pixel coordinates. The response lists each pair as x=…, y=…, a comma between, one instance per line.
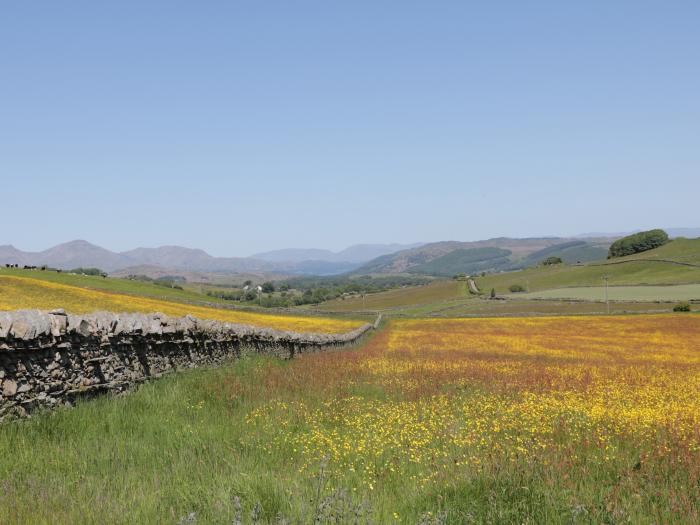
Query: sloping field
x=681, y=292
x=412, y=295
x=659, y=266
x=680, y=250
x=27, y=293
x=117, y=285
x=549, y=420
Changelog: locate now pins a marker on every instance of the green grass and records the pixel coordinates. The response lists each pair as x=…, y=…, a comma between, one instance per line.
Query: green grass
x=410, y=296
x=527, y=307
x=623, y=271
x=173, y=447
x=682, y=250
x=681, y=292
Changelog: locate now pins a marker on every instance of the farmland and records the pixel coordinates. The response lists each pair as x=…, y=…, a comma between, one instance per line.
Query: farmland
x=26, y=293
x=677, y=262
x=548, y=420
x=680, y=292
x=661, y=276
x=437, y=291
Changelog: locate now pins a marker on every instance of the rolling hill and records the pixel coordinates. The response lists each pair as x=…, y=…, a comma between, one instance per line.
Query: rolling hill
x=465, y=260
x=435, y=258
x=677, y=262
x=570, y=252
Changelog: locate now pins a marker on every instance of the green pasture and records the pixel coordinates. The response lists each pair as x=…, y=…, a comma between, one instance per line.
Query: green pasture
x=682, y=292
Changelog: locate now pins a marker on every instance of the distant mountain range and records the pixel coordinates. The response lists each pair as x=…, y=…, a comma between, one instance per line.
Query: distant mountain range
x=80, y=253
x=437, y=258
x=357, y=254
x=83, y=254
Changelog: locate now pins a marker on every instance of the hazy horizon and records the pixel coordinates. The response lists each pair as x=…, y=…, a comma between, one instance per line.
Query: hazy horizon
x=238, y=128
x=303, y=248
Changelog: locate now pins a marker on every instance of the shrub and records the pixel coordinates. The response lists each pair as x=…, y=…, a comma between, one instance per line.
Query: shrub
x=637, y=243
x=268, y=287
x=551, y=260
x=516, y=288
x=682, y=307
x=493, y=293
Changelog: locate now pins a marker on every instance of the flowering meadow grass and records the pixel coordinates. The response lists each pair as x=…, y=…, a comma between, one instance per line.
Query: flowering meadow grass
x=26, y=293
x=527, y=420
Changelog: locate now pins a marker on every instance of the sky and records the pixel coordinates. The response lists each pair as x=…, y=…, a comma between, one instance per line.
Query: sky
x=244, y=126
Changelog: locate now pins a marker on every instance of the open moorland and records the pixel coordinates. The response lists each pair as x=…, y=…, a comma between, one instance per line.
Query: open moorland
x=549, y=420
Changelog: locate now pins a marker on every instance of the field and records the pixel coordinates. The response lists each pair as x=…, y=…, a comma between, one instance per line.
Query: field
x=537, y=420
x=514, y=306
x=451, y=299
x=27, y=293
x=681, y=292
x=116, y=285
x=654, y=267
x=410, y=296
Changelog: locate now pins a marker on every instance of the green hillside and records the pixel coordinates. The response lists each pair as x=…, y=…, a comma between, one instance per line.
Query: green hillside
x=469, y=260
x=668, y=264
x=680, y=250
x=569, y=252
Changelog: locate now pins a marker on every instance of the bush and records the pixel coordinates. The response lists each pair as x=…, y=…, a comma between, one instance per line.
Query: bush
x=493, y=293
x=682, y=307
x=516, y=288
x=637, y=243
x=268, y=287
x=551, y=260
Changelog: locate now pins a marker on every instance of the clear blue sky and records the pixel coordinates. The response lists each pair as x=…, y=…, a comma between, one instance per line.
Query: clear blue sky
x=245, y=126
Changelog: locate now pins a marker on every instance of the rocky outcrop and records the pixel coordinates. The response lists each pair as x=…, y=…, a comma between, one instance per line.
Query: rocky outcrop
x=50, y=358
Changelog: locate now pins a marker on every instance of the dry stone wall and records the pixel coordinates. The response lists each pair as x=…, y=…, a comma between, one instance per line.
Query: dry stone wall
x=50, y=358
